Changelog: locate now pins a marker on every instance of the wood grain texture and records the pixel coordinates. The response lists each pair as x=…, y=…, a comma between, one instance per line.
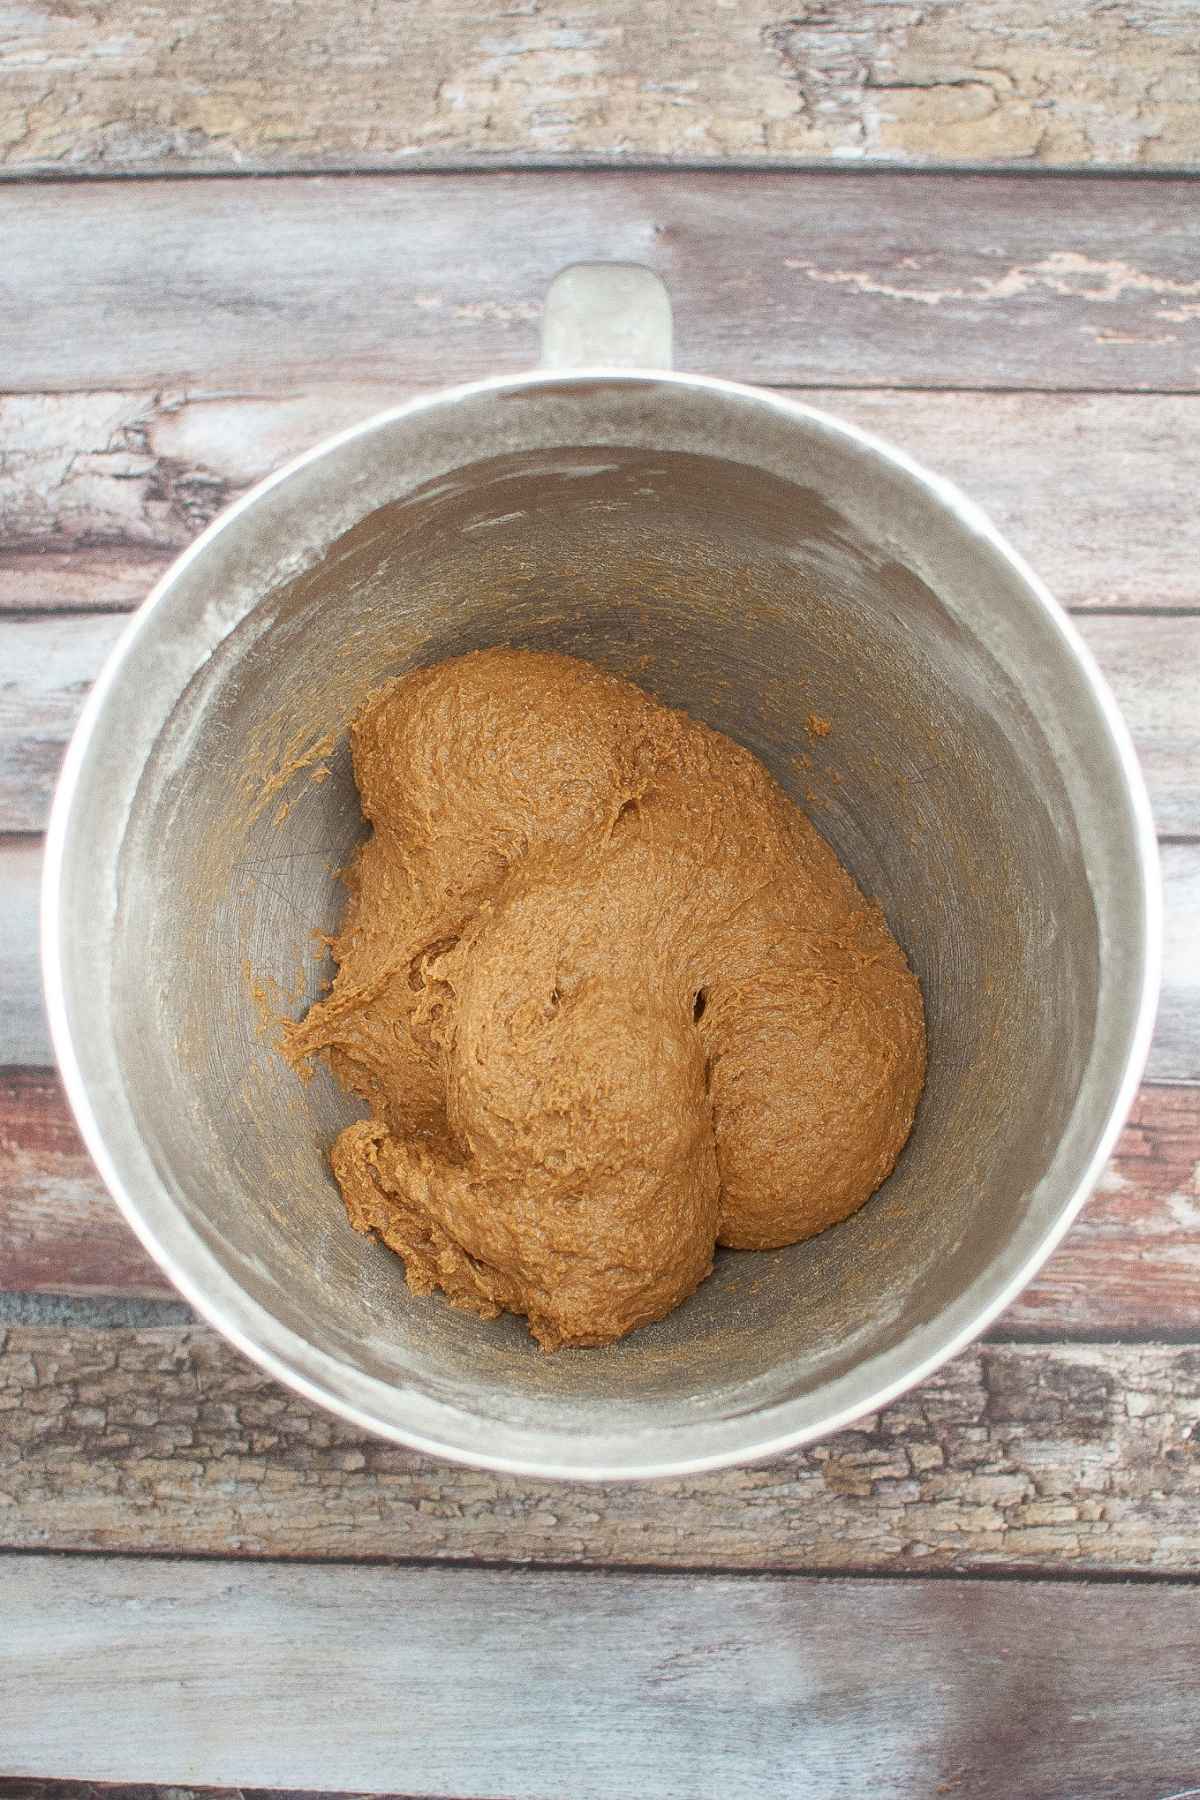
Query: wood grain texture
x=1015, y=1456
x=826, y=279
x=45, y=580
x=1174, y=1054
x=99, y=490
x=503, y=1683
x=1153, y=668
x=24, y=1034
x=42, y=1788
x=59, y=1230
x=1175, y=1051
x=47, y=666
x=48, y=663
x=302, y=85
x=1131, y=1263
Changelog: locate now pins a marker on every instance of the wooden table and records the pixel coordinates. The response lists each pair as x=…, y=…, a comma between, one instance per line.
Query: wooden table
x=991, y=1588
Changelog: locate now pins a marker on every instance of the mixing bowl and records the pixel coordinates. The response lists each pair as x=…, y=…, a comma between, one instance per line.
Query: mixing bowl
x=768, y=568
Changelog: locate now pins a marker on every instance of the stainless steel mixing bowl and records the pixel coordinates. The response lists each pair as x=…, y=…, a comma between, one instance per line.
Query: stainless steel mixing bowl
x=742, y=556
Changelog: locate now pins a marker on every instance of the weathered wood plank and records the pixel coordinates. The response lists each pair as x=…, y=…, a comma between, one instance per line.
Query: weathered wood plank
x=354, y=85
x=24, y=1034
x=499, y=1682
x=1015, y=1456
x=111, y=576
x=1131, y=1263
x=48, y=663
x=1175, y=1052
x=47, y=666
x=1132, y=1260
x=1174, y=1055
x=98, y=490
x=60, y=1232
x=1153, y=668
x=833, y=278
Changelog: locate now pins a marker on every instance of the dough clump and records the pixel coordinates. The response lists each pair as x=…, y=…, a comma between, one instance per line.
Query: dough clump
x=610, y=998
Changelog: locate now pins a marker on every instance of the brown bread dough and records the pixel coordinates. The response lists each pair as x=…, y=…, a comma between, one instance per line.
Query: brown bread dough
x=609, y=996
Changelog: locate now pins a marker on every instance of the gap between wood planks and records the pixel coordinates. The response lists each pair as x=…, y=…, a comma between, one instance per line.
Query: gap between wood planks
x=52, y=1788
x=64, y=1305
x=1018, y=1575
x=613, y=166
x=602, y=163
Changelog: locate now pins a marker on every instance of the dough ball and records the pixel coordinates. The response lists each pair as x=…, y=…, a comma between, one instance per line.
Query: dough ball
x=610, y=997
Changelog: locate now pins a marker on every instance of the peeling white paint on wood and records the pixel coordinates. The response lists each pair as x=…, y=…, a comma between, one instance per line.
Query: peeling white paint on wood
x=252, y=286
x=349, y=84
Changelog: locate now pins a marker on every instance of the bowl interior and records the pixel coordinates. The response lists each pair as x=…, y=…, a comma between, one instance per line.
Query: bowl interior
x=758, y=588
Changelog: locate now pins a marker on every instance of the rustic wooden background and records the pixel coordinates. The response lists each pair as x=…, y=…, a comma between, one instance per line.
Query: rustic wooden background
x=974, y=228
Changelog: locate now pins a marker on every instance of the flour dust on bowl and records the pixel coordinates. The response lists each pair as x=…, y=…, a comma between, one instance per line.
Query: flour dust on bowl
x=756, y=563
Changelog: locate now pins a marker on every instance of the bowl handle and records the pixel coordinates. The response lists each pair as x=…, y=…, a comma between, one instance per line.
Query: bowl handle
x=606, y=315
